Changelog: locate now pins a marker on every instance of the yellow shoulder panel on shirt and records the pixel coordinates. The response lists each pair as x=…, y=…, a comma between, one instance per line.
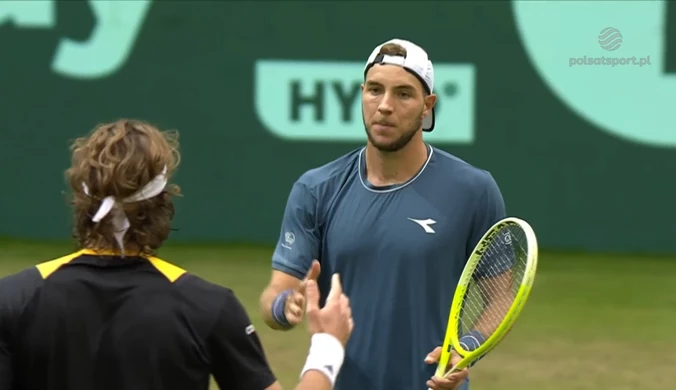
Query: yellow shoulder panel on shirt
x=49, y=267
x=169, y=270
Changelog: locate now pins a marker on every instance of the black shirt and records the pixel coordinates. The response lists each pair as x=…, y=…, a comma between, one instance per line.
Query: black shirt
x=99, y=322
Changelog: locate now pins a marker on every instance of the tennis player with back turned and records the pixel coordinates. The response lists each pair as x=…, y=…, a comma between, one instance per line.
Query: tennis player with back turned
x=398, y=220
x=112, y=316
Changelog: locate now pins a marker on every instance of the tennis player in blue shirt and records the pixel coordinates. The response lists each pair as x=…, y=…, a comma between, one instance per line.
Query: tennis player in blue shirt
x=397, y=219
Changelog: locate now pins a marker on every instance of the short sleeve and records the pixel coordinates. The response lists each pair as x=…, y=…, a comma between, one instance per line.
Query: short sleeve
x=490, y=209
x=238, y=361
x=299, y=241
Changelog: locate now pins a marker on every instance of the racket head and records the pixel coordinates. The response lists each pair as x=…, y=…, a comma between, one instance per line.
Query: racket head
x=510, y=235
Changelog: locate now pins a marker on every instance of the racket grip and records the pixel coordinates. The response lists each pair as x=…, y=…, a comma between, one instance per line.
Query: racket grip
x=449, y=372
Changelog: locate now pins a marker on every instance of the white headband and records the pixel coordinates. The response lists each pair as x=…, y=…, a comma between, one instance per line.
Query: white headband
x=119, y=219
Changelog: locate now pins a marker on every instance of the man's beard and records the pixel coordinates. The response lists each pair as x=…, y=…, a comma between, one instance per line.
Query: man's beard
x=399, y=143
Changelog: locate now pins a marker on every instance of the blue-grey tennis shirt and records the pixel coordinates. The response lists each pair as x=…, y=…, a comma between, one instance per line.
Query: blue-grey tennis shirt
x=400, y=251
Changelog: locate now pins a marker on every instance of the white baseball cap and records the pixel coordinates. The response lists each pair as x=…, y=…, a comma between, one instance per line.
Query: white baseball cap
x=415, y=61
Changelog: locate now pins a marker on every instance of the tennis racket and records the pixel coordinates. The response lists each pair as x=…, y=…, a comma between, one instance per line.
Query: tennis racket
x=491, y=293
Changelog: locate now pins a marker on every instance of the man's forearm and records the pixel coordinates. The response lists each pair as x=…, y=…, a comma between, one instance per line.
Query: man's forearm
x=314, y=380
x=311, y=380
x=324, y=361
x=322, y=365
x=267, y=298
x=497, y=292
x=489, y=321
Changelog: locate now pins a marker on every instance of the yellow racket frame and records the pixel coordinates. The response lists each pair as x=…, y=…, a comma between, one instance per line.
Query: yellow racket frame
x=452, y=339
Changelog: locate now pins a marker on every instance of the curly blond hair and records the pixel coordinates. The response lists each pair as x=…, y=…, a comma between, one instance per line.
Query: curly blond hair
x=118, y=159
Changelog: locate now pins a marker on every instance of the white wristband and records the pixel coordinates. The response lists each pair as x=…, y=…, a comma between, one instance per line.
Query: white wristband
x=326, y=355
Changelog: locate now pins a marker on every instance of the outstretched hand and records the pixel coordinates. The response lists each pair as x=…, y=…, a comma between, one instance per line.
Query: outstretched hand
x=335, y=317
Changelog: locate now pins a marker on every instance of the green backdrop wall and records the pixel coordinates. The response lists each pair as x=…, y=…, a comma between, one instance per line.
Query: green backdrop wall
x=569, y=104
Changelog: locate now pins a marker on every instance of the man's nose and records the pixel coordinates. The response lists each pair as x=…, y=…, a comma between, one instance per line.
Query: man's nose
x=385, y=105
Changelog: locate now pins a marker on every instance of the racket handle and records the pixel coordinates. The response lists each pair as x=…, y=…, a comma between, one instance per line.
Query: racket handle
x=452, y=370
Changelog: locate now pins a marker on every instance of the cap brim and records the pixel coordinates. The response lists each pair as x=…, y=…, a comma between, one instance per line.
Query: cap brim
x=428, y=122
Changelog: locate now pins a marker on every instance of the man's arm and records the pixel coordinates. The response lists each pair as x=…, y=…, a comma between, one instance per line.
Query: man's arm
x=279, y=282
x=490, y=208
x=498, y=298
x=238, y=361
x=313, y=380
x=493, y=274
x=237, y=357
x=298, y=245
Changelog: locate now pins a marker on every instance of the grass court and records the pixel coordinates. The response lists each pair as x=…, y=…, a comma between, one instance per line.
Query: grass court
x=592, y=323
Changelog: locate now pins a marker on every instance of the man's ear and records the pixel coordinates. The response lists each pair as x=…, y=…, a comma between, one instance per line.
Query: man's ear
x=430, y=101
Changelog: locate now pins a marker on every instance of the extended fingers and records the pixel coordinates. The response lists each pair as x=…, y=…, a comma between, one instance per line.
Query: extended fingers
x=313, y=274
x=345, y=308
x=433, y=356
x=312, y=294
x=336, y=288
x=294, y=308
x=345, y=304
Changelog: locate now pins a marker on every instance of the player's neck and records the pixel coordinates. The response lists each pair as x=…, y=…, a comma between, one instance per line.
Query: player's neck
x=390, y=168
x=109, y=249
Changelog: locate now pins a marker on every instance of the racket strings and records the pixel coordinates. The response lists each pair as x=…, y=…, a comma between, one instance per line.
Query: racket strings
x=495, y=283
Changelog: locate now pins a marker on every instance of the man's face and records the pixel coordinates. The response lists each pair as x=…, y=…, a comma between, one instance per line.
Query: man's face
x=393, y=106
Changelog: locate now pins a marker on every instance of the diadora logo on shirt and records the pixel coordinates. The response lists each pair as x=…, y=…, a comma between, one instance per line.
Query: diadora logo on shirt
x=425, y=224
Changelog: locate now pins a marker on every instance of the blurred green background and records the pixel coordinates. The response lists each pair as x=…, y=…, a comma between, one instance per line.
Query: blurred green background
x=581, y=144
